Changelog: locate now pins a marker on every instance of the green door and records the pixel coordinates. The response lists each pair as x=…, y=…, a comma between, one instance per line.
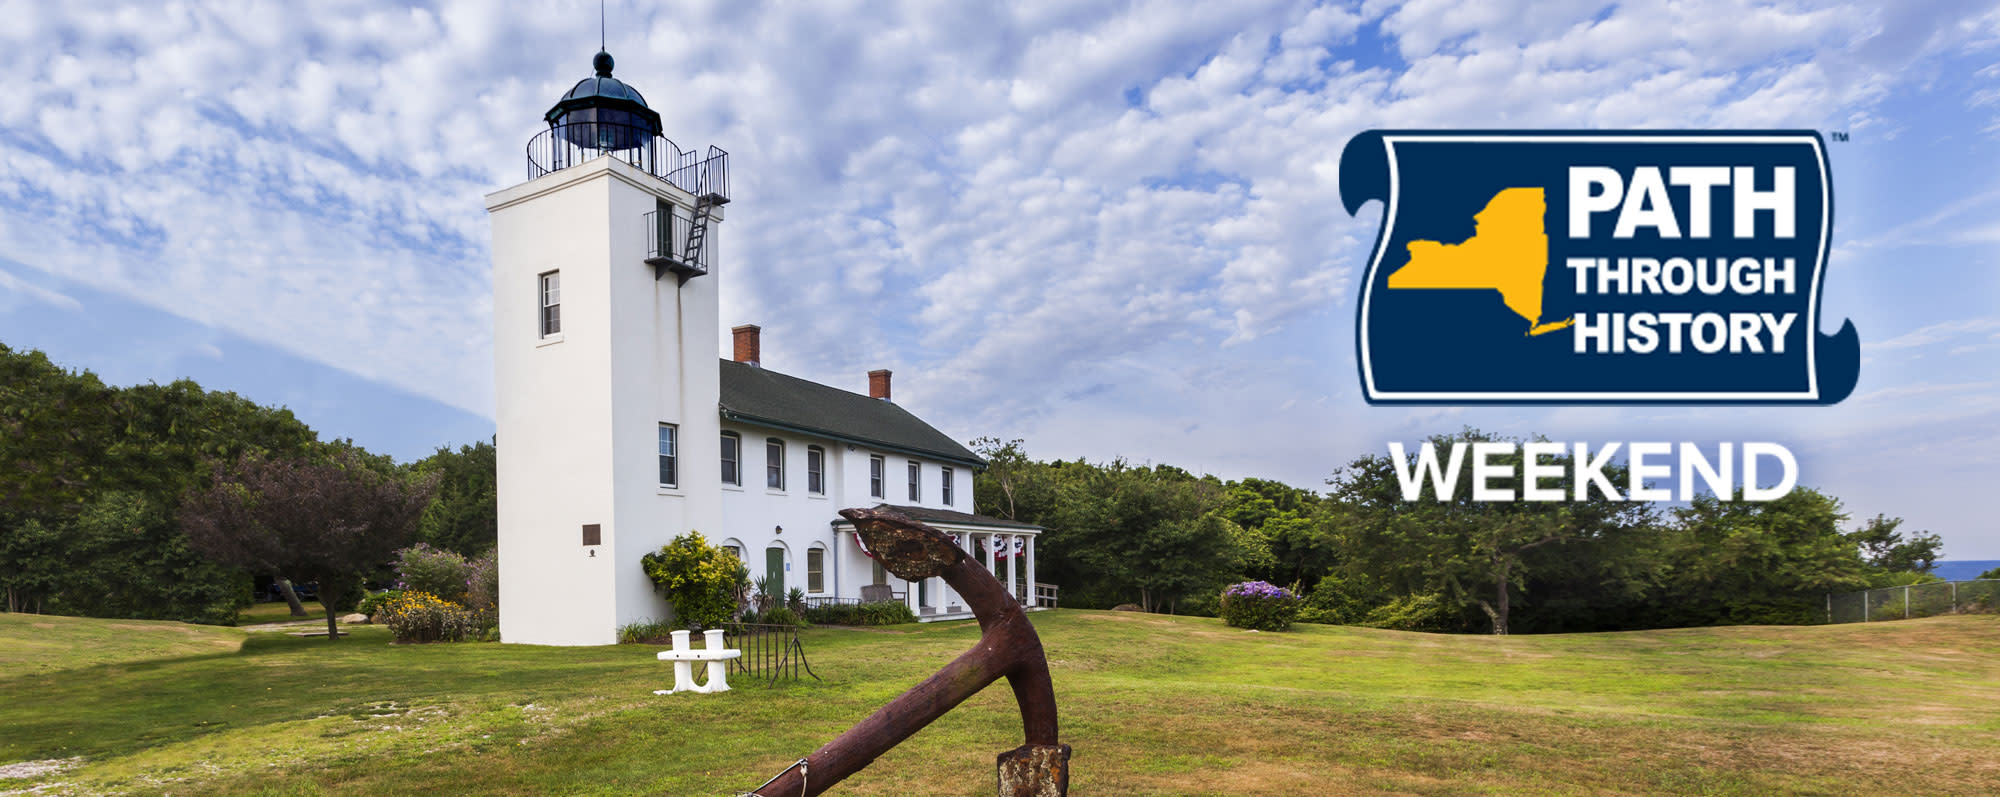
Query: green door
x=774, y=564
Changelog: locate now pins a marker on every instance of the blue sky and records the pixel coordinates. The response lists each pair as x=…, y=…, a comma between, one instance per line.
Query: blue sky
x=1111, y=229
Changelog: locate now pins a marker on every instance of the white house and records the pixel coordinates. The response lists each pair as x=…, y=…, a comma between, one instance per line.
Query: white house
x=619, y=428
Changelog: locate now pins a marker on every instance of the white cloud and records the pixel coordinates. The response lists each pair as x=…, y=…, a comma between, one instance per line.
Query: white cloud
x=1010, y=206
x=18, y=287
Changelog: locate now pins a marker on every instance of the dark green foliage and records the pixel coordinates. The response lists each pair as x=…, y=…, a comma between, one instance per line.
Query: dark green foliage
x=1362, y=555
x=1885, y=548
x=880, y=613
x=1740, y=562
x=464, y=517
x=1993, y=574
x=1472, y=553
x=91, y=478
x=650, y=632
x=1118, y=533
x=776, y=615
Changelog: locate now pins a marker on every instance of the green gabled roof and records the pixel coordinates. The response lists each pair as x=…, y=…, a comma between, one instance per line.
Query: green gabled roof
x=755, y=396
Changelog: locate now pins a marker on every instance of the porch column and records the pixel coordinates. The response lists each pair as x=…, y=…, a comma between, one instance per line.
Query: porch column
x=1034, y=596
x=1013, y=568
x=992, y=559
x=966, y=544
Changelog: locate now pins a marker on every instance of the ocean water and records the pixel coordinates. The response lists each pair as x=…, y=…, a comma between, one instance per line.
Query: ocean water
x=1964, y=570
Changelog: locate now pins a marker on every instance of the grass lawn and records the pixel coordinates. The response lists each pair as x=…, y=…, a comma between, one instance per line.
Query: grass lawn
x=279, y=612
x=1153, y=705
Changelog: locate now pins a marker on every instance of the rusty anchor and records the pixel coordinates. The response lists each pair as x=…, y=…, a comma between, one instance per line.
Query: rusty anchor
x=1008, y=648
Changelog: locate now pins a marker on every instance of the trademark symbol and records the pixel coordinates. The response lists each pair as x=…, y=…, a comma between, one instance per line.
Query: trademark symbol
x=1839, y=135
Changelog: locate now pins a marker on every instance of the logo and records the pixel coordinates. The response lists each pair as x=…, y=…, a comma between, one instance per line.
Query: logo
x=1581, y=267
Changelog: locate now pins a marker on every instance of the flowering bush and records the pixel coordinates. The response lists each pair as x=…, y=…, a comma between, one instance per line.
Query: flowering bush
x=434, y=570
x=1259, y=605
x=417, y=616
x=482, y=581
x=699, y=579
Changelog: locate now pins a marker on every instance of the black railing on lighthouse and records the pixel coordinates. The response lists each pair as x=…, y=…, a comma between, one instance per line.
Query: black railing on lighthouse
x=566, y=144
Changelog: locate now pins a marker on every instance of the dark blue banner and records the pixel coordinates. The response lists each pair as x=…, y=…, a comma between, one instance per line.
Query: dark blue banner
x=1577, y=267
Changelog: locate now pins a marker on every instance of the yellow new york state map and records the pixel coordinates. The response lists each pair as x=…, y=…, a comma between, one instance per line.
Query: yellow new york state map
x=1508, y=252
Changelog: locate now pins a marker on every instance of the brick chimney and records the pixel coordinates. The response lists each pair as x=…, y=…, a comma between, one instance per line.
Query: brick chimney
x=747, y=348
x=878, y=384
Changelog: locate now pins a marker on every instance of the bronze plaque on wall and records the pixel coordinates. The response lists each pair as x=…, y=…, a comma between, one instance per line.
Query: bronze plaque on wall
x=593, y=534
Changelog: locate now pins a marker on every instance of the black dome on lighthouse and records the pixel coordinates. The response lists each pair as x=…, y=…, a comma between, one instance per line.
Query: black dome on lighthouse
x=605, y=100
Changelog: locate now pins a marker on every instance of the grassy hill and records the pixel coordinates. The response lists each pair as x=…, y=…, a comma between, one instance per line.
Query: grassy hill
x=1153, y=705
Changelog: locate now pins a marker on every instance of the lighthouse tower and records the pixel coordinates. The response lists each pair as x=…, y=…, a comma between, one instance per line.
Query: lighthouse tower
x=604, y=355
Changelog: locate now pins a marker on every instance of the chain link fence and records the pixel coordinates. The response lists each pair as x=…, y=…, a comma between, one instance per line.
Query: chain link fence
x=1915, y=600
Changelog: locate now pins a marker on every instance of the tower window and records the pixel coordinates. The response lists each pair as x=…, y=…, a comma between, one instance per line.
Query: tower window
x=916, y=483
x=815, y=569
x=669, y=456
x=551, y=292
x=732, y=459
x=774, y=463
x=946, y=495
x=815, y=470
x=877, y=474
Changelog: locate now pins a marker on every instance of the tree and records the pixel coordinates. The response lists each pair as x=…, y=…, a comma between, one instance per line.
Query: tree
x=1758, y=562
x=1479, y=554
x=90, y=478
x=329, y=519
x=1885, y=549
x=465, y=515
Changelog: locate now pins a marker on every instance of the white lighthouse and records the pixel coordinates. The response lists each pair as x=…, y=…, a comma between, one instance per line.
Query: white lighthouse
x=619, y=428
x=604, y=329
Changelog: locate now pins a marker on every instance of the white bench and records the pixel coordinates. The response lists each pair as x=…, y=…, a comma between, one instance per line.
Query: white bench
x=684, y=659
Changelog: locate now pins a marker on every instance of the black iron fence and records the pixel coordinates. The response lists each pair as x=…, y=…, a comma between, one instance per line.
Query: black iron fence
x=770, y=652
x=703, y=174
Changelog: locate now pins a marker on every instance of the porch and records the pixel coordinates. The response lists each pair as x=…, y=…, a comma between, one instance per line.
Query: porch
x=1006, y=548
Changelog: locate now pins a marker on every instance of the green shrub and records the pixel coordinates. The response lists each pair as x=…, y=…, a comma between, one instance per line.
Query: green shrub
x=1426, y=612
x=780, y=615
x=699, y=579
x=648, y=632
x=1259, y=606
x=444, y=574
x=1335, y=601
x=882, y=613
x=417, y=616
x=796, y=601
x=373, y=602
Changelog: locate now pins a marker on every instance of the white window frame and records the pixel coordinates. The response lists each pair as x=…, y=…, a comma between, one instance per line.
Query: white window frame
x=774, y=466
x=548, y=292
x=945, y=494
x=670, y=455
x=735, y=461
x=916, y=470
x=878, y=477
x=816, y=570
x=816, y=470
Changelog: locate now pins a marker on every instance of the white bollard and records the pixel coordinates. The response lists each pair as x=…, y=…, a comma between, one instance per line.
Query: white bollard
x=684, y=658
x=718, y=668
